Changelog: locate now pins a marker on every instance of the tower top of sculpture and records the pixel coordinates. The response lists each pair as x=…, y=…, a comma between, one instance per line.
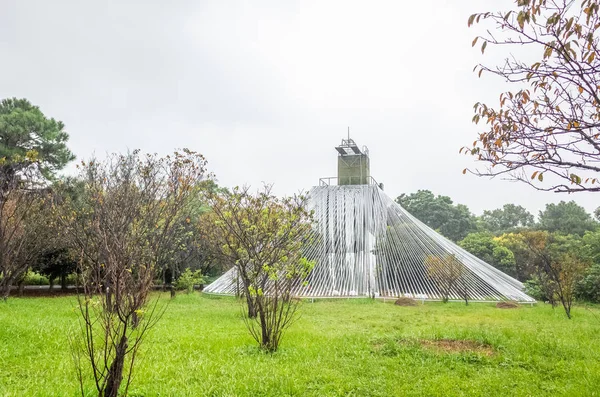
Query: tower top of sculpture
x=349, y=148
x=353, y=164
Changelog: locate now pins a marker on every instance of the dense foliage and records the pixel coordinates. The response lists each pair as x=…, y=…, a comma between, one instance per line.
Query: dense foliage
x=507, y=218
x=487, y=248
x=439, y=213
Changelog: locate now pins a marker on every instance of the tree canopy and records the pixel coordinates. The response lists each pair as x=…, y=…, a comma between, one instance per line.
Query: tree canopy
x=454, y=221
x=487, y=248
x=566, y=218
x=507, y=218
x=28, y=138
x=545, y=131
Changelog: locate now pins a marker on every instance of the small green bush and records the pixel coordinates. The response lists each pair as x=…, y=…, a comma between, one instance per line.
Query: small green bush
x=534, y=289
x=73, y=279
x=34, y=278
x=188, y=280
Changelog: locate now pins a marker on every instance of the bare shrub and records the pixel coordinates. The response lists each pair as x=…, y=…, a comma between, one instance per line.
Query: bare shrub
x=447, y=271
x=21, y=234
x=121, y=225
x=263, y=236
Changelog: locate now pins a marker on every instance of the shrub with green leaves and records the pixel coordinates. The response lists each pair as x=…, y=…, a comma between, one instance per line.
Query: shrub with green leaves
x=34, y=278
x=189, y=279
x=534, y=289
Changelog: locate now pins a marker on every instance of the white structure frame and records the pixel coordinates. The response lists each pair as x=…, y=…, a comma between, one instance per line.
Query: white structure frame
x=367, y=245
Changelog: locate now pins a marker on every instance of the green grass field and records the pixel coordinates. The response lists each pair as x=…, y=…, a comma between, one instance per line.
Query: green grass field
x=337, y=348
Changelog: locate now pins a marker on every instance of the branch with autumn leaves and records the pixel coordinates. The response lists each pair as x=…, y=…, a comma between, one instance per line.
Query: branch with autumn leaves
x=546, y=133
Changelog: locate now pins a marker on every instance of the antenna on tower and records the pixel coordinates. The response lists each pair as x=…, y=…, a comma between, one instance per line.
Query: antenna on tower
x=348, y=132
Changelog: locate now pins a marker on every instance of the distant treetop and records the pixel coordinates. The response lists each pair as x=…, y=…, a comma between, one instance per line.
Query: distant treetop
x=29, y=139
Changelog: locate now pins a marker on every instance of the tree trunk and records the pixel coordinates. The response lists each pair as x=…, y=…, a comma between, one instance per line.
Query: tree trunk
x=115, y=373
x=108, y=297
x=266, y=340
x=567, y=307
x=250, y=302
x=63, y=282
x=135, y=320
x=4, y=292
x=251, y=306
x=249, y=299
x=21, y=289
x=445, y=297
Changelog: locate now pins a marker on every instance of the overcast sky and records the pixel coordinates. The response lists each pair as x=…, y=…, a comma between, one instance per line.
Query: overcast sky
x=266, y=90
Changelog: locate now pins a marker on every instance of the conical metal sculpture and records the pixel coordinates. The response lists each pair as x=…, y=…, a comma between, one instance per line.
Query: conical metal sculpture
x=366, y=244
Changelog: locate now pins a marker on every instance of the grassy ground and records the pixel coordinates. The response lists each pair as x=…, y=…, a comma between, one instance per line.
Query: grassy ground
x=336, y=348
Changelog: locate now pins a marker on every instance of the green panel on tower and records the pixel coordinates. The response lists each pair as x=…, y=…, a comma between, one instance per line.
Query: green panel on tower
x=353, y=164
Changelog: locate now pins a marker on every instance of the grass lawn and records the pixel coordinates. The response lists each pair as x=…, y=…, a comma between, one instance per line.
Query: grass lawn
x=337, y=348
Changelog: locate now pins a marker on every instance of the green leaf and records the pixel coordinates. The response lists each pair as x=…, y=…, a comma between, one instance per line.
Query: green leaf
x=521, y=19
x=569, y=24
x=471, y=20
